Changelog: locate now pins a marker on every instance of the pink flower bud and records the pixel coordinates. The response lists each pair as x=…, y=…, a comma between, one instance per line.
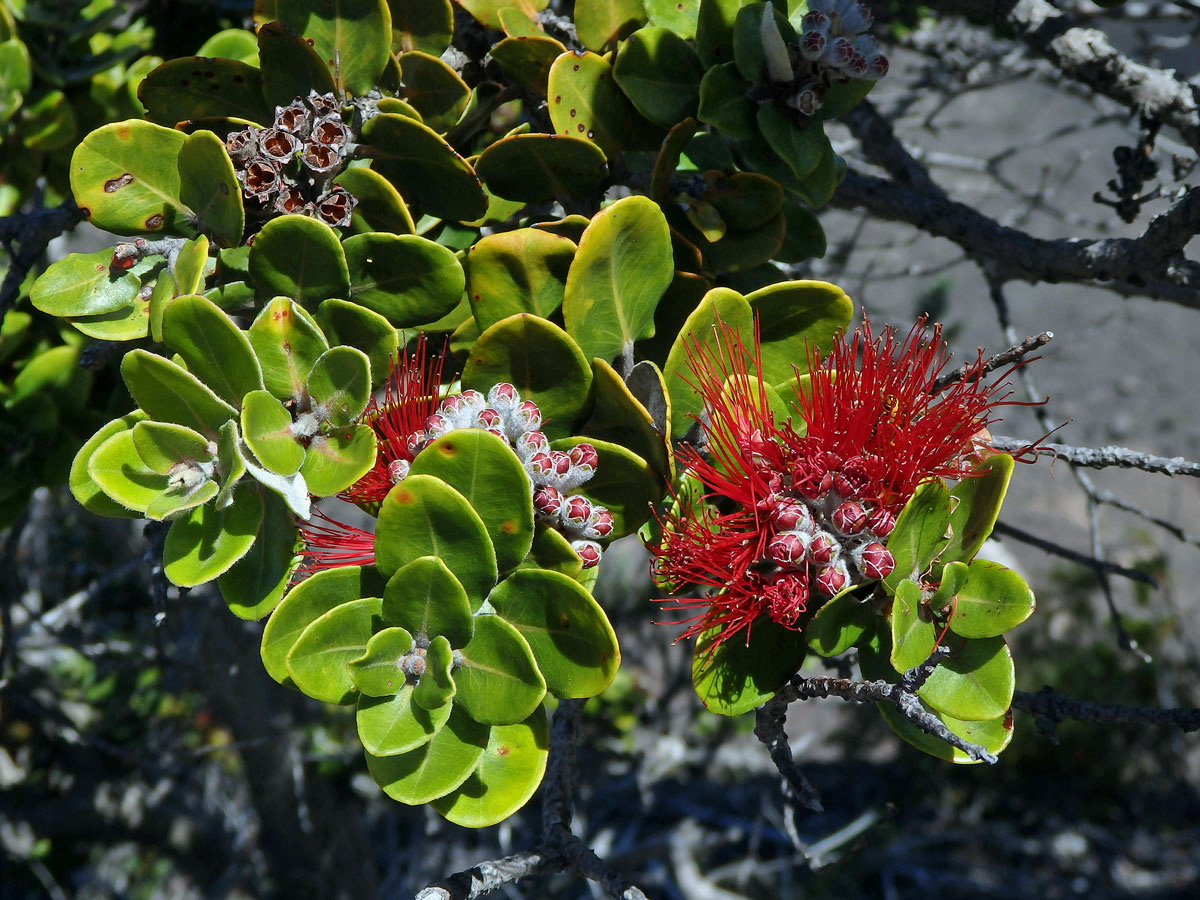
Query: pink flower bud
x=877, y=67
x=488, y=419
x=791, y=515
x=503, y=397
x=524, y=416
x=832, y=579
x=856, y=17
x=812, y=44
x=787, y=549
x=881, y=522
x=815, y=21
x=824, y=548
x=437, y=425
x=857, y=67
x=589, y=552
x=398, y=470
x=600, y=525
x=850, y=517
x=838, y=53
x=576, y=511
x=415, y=443
x=540, y=466
x=530, y=443
x=548, y=501
x=561, y=463
x=473, y=399
x=584, y=455
x=874, y=560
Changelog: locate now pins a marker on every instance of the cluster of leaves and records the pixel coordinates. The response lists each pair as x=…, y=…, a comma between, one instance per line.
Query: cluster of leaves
x=275, y=327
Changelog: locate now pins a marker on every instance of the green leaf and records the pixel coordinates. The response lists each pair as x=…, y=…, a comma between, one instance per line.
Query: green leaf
x=423, y=166
x=485, y=471
x=352, y=37
x=622, y=268
x=207, y=541
x=424, y=516
x=267, y=429
x=552, y=551
x=992, y=735
x=389, y=726
x=840, y=624
x=920, y=532
x=290, y=67
x=287, y=342
x=407, y=279
x=436, y=687
x=677, y=16
x=624, y=483
x=508, y=773
x=208, y=186
x=336, y=460
x=818, y=187
x=172, y=503
x=84, y=486
x=801, y=148
x=16, y=76
x=805, y=238
x=993, y=600
x=541, y=361
x=381, y=670
x=231, y=463
x=517, y=271
x=619, y=418
x=737, y=676
x=380, y=206
x=163, y=446
x=660, y=73
x=115, y=467
x=318, y=661
x=720, y=305
x=231, y=43
x=572, y=641
x=256, y=583
x=527, y=60
x=433, y=89
x=422, y=24
x=339, y=385
x=304, y=604
x=186, y=278
x=585, y=102
x=125, y=178
x=975, y=683
x=497, y=678
x=195, y=87
x=603, y=22
x=794, y=316
x=301, y=258
x=487, y=12
x=748, y=50
x=913, y=631
x=356, y=326
x=214, y=349
x=436, y=768
x=979, y=499
x=536, y=167
x=724, y=104
x=714, y=30
x=425, y=598
x=170, y=393
x=82, y=284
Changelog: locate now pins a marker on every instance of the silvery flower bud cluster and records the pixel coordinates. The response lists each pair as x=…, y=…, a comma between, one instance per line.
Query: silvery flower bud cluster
x=288, y=167
x=553, y=474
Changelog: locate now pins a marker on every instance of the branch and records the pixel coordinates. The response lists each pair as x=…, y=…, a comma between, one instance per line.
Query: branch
x=31, y=232
x=1103, y=457
x=768, y=728
x=999, y=361
x=1086, y=55
x=1019, y=255
x=1051, y=708
x=881, y=146
x=1099, y=566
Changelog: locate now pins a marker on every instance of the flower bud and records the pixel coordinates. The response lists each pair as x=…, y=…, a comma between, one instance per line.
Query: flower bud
x=437, y=425
x=788, y=548
x=877, y=67
x=540, y=466
x=832, y=579
x=815, y=21
x=600, y=525
x=856, y=18
x=503, y=397
x=277, y=146
x=548, y=501
x=850, y=517
x=589, y=551
x=824, y=548
x=415, y=443
x=874, y=560
x=786, y=597
x=881, y=522
x=576, y=512
x=791, y=515
x=857, y=67
x=487, y=419
x=561, y=463
x=584, y=455
x=812, y=44
x=838, y=53
x=531, y=443
x=398, y=470
x=852, y=479
x=522, y=417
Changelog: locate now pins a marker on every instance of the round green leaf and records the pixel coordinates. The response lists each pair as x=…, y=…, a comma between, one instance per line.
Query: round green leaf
x=162, y=446
x=801, y=148
x=304, y=604
x=979, y=499
x=624, y=483
x=601, y=22
x=352, y=37
x=508, y=773
x=84, y=487
x=536, y=167
x=840, y=624
x=115, y=467
x=82, y=284
x=992, y=735
x=186, y=278
x=737, y=675
x=405, y=278
x=389, y=726
x=423, y=166
x=256, y=583
x=231, y=43
x=267, y=429
x=585, y=101
x=209, y=187
x=125, y=177
x=287, y=342
x=433, y=89
x=380, y=206
x=196, y=87
x=433, y=769
x=623, y=266
x=993, y=600
x=318, y=662
x=290, y=66
x=677, y=16
x=619, y=418
x=660, y=73
x=214, y=349
x=356, y=326
x=714, y=30
x=207, y=541
x=572, y=641
x=497, y=678
x=425, y=598
x=976, y=682
x=913, y=631
x=485, y=471
x=422, y=24
x=339, y=385
x=336, y=460
x=541, y=362
x=517, y=271
x=301, y=258
x=749, y=51
x=724, y=104
x=16, y=75
x=920, y=532
x=379, y=672
x=170, y=393
x=424, y=516
x=436, y=686
x=792, y=316
x=552, y=551
x=527, y=59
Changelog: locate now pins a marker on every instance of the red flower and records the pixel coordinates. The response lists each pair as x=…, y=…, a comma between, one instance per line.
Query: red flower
x=330, y=544
x=802, y=508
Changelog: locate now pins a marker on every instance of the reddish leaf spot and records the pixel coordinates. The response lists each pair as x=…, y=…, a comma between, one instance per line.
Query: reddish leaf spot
x=403, y=496
x=503, y=750
x=115, y=184
x=123, y=132
x=508, y=526
x=87, y=212
x=155, y=221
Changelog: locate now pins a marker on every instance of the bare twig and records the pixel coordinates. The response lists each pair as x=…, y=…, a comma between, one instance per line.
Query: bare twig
x=768, y=728
x=1051, y=708
x=31, y=232
x=1091, y=562
x=1104, y=457
x=999, y=361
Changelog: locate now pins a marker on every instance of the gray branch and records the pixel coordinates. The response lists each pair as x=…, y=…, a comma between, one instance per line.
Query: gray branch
x=992, y=363
x=1050, y=708
x=1099, y=566
x=1103, y=457
x=25, y=236
x=769, y=729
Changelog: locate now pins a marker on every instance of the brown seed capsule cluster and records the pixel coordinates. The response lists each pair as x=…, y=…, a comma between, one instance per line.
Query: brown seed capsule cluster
x=289, y=167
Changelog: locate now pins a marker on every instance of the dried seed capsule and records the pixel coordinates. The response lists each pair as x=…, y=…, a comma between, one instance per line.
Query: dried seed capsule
x=295, y=119
x=319, y=158
x=277, y=145
x=241, y=145
x=331, y=132
x=323, y=104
